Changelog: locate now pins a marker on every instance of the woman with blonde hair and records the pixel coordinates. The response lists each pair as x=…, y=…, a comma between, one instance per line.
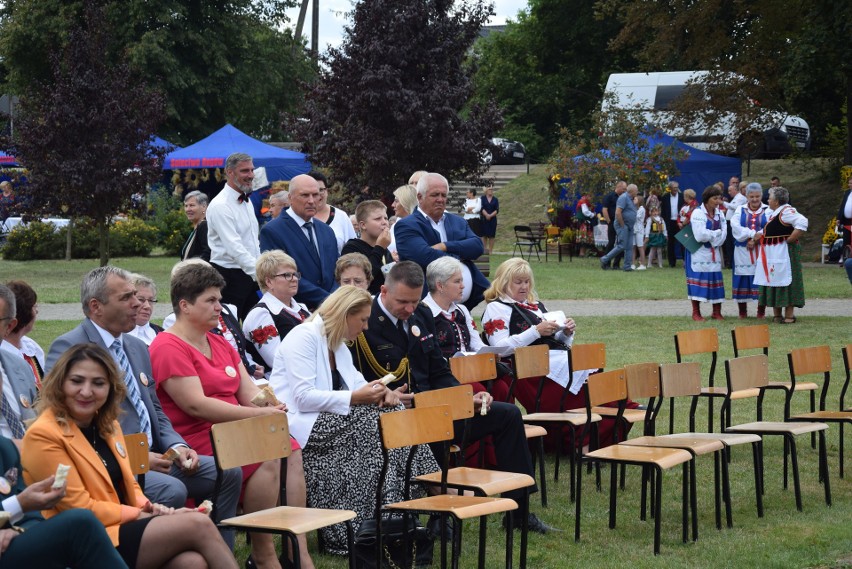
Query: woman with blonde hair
x=78, y=406
x=333, y=413
x=404, y=202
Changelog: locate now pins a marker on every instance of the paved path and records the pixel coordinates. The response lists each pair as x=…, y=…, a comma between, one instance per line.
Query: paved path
x=816, y=307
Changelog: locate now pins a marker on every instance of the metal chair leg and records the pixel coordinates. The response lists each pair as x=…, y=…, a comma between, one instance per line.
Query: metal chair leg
x=794, y=463
x=823, y=459
x=758, y=478
x=658, y=508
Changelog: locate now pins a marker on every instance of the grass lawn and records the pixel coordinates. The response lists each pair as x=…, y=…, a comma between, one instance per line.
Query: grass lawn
x=817, y=537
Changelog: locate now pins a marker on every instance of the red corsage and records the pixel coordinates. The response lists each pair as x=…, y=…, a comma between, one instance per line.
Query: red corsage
x=260, y=336
x=493, y=325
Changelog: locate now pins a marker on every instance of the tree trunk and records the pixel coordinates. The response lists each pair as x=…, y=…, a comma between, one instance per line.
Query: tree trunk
x=69, y=238
x=103, y=246
x=848, y=158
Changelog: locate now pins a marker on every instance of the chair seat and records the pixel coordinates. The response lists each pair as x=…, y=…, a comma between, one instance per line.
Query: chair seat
x=489, y=482
x=800, y=386
x=723, y=392
x=777, y=427
x=462, y=507
x=574, y=417
x=695, y=445
x=662, y=457
x=630, y=415
x=824, y=416
x=728, y=439
x=288, y=518
x=534, y=431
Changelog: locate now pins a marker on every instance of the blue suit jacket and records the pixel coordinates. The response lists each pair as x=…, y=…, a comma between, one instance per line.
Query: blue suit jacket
x=317, y=269
x=22, y=382
x=415, y=237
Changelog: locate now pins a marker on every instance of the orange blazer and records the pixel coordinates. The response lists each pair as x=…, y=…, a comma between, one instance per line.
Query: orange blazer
x=48, y=443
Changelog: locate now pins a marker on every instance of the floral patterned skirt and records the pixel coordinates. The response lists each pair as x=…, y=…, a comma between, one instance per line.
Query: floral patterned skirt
x=343, y=460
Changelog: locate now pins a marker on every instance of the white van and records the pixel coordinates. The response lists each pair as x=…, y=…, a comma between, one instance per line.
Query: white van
x=652, y=93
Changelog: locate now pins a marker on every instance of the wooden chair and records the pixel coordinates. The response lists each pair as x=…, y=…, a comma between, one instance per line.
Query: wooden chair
x=414, y=427
x=524, y=239
x=249, y=441
x=757, y=338
x=808, y=361
x=612, y=386
x=847, y=363
x=534, y=362
x=483, y=263
x=480, y=482
x=483, y=367
x=643, y=383
x=684, y=380
x=749, y=372
x=696, y=342
x=137, y=456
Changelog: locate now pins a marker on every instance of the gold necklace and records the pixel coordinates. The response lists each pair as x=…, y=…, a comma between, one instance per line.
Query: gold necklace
x=94, y=438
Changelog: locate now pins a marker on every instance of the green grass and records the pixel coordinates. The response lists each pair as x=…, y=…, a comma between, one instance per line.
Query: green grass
x=817, y=537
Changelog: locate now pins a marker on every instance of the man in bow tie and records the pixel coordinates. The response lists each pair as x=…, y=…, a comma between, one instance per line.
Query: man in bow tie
x=232, y=233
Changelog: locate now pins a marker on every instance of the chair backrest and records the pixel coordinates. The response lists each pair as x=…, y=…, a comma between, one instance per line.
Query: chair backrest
x=746, y=372
x=421, y=425
x=532, y=361
x=606, y=387
x=702, y=341
x=750, y=338
x=483, y=263
x=587, y=356
x=470, y=369
x=806, y=361
x=643, y=380
x=137, y=453
x=458, y=398
x=248, y=441
x=680, y=380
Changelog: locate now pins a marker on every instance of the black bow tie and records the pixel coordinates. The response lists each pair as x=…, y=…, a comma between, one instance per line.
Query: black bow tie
x=244, y=197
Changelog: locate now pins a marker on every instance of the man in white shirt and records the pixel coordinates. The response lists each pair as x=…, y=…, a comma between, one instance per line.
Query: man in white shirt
x=670, y=206
x=232, y=233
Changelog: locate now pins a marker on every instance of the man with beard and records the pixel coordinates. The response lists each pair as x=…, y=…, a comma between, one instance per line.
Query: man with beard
x=232, y=233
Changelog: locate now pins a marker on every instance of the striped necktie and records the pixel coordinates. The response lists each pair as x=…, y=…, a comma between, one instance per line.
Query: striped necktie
x=133, y=390
x=12, y=420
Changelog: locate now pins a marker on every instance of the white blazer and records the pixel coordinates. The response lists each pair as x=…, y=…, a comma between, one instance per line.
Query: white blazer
x=301, y=378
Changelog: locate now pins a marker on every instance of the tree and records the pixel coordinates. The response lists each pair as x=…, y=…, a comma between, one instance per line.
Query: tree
x=619, y=146
x=547, y=70
x=85, y=134
x=394, y=97
x=796, y=52
x=216, y=61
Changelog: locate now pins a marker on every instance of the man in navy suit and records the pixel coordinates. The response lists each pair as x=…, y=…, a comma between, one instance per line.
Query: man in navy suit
x=110, y=305
x=670, y=206
x=312, y=245
x=430, y=233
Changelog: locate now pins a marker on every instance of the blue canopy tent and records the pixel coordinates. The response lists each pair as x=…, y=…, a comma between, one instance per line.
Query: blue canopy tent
x=7, y=161
x=211, y=152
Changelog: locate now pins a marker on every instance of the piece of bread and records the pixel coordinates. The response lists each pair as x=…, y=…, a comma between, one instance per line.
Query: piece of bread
x=205, y=507
x=388, y=379
x=265, y=398
x=62, y=471
x=171, y=455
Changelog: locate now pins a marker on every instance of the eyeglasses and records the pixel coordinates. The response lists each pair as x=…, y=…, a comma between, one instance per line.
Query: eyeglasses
x=290, y=276
x=143, y=300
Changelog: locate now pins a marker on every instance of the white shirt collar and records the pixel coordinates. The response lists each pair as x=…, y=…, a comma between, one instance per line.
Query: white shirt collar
x=436, y=310
x=107, y=337
x=390, y=316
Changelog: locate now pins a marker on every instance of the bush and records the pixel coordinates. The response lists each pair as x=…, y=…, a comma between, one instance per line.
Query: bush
x=35, y=240
x=131, y=238
x=168, y=218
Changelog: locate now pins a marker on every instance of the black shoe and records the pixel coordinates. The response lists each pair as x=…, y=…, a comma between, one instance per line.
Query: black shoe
x=604, y=266
x=434, y=526
x=533, y=524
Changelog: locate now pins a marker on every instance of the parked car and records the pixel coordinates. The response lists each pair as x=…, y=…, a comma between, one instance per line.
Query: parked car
x=504, y=151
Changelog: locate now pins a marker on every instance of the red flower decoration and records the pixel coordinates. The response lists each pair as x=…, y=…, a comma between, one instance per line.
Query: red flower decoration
x=493, y=325
x=262, y=335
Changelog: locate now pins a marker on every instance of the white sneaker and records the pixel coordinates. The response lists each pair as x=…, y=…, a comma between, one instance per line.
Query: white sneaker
x=633, y=267
x=641, y=268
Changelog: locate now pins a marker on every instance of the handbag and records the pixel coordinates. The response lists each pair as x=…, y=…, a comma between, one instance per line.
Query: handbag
x=394, y=536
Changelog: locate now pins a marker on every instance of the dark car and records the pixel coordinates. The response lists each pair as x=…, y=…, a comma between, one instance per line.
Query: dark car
x=504, y=151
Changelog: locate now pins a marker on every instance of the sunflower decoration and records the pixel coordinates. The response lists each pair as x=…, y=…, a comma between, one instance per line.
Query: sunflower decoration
x=176, y=178
x=218, y=175
x=191, y=179
x=205, y=175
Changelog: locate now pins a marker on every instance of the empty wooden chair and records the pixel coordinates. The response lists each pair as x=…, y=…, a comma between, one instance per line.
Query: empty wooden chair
x=248, y=441
x=751, y=372
x=414, y=427
x=611, y=386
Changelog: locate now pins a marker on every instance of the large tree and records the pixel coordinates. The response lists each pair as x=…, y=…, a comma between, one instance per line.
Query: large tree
x=394, y=97
x=85, y=133
x=547, y=70
x=797, y=53
x=216, y=61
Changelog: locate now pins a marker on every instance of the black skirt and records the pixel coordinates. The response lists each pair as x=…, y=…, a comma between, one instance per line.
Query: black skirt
x=129, y=538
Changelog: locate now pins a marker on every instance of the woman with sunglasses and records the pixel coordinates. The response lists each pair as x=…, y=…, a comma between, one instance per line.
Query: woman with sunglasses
x=277, y=312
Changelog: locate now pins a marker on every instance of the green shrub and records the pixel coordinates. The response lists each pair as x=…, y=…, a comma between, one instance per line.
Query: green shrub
x=35, y=240
x=166, y=214
x=132, y=238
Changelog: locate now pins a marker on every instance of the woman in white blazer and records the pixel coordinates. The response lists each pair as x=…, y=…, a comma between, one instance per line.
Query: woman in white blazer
x=333, y=413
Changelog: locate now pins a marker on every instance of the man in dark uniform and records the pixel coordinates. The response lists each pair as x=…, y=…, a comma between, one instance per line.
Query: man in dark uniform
x=401, y=340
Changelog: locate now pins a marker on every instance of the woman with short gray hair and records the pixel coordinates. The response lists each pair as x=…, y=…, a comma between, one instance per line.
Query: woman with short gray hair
x=746, y=222
x=779, y=259
x=195, y=208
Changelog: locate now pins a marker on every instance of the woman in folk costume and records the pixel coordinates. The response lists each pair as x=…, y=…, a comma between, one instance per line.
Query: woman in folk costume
x=779, y=262
x=704, y=282
x=746, y=223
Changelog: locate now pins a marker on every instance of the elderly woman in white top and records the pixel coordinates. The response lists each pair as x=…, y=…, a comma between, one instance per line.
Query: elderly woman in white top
x=746, y=223
x=146, y=294
x=277, y=313
x=334, y=412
